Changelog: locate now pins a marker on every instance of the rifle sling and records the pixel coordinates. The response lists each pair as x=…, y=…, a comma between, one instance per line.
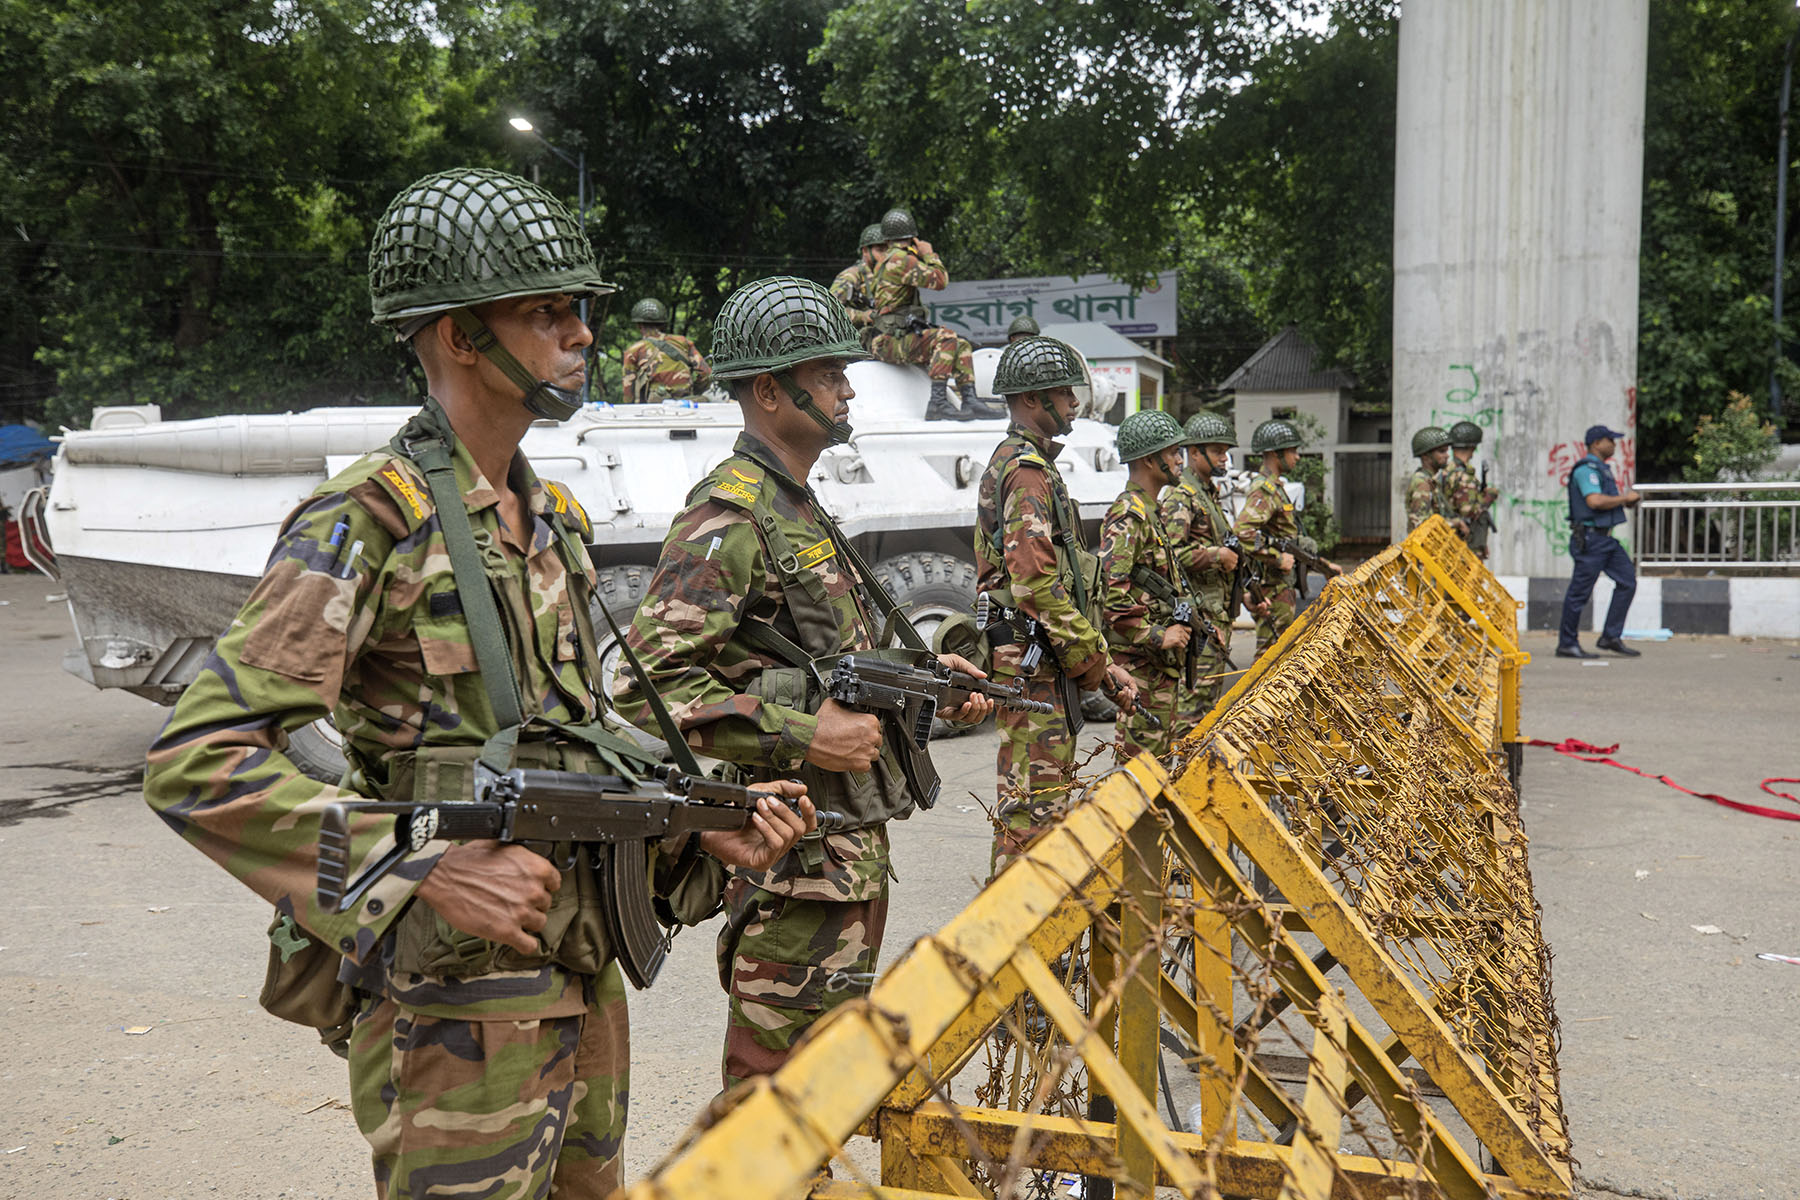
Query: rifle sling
x=682, y=753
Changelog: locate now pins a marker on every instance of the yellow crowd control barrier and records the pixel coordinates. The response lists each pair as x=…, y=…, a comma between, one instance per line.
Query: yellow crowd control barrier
x=1301, y=958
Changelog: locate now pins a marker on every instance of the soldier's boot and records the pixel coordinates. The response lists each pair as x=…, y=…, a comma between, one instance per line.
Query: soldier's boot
x=940, y=408
x=976, y=409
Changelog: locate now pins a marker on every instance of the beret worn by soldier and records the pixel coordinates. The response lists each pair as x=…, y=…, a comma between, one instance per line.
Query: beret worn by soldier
x=1147, y=432
x=465, y=237
x=1274, y=434
x=1428, y=439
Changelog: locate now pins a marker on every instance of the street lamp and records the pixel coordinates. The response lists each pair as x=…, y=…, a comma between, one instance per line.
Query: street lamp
x=579, y=162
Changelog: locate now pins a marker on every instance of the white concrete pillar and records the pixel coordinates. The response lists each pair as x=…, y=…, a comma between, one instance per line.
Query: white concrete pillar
x=1518, y=188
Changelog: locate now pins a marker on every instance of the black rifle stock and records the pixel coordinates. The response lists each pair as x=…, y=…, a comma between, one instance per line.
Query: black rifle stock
x=613, y=817
x=1013, y=626
x=908, y=697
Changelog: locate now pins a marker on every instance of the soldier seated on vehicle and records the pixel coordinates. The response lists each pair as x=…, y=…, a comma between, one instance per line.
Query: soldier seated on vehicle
x=661, y=365
x=854, y=284
x=900, y=332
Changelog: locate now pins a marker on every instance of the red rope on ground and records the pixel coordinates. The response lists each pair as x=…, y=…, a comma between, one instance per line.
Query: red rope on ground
x=1600, y=754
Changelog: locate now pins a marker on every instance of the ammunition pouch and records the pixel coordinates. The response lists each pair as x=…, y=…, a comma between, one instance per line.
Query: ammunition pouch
x=960, y=635
x=301, y=984
x=913, y=318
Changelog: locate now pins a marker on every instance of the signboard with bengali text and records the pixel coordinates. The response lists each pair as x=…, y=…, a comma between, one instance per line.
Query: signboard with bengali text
x=980, y=310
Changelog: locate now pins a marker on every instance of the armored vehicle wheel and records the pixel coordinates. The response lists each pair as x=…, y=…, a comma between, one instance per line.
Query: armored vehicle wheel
x=318, y=750
x=929, y=588
x=621, y=589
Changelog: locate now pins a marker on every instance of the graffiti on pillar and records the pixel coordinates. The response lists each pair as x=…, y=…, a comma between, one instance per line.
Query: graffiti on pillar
x=1561, y=458
x=1462, y=402
x=1550, y=517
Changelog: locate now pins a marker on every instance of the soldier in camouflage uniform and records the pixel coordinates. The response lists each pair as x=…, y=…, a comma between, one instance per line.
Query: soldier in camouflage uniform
x=1197, y=528
x=1022, y=327
x=487, y=1032
x=1432, y=445
x=1268, y=516
x=1461, y=496
x=661, y=365
x=855, y=284
x=1028, y=544
x=1133, y=544
x=755, y=583
x=900, y=332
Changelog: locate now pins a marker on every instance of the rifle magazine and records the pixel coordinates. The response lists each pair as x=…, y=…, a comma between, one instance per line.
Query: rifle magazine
x=638, y=940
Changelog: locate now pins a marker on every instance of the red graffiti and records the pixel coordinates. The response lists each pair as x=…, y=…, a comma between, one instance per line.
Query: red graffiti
x=1562, y=459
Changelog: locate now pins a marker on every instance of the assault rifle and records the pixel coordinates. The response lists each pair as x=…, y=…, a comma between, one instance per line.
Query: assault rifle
x=1184, y=612
x=1304, y=560
x=1009, y=626
x=1487, y=512
x=608, y=816
x=908, y=697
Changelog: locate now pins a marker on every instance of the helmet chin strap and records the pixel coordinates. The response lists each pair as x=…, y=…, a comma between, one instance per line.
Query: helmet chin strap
x=542, y=398
x=1064, y=425
x=838, y=431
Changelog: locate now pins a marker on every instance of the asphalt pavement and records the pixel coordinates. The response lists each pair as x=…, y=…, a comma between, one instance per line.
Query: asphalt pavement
x=138, y=1064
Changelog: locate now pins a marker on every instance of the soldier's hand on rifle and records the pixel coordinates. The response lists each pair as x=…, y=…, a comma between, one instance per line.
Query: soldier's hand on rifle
x=1175, y=637
x=977, y=708
x=1286, y=562
x=846, y=740
x=921, y=245
x=493, y=890
x=1461, y=526
x=1228, y=559
x=770, y=834
x=1123, y=689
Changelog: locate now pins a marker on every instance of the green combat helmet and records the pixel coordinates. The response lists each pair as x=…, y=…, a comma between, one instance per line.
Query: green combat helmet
x=649, y=311
x=773, y=325
x=1024, y=324
x=1037, y=364
x=1274, y=434
x=1208, y=429
x=1148, y=431
x=897, y=225
x=1465, y=435
x=1428, y=439
x=468, y=236
x=871, y=236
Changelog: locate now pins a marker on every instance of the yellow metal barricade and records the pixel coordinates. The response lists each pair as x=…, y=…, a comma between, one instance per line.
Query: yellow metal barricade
x=1212, y=974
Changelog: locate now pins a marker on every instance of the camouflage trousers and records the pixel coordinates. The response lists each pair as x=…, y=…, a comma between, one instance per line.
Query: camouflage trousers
x=1034, y=767
x=786, y=962
x=502, y=1109
x=1159, y=693
x=1283, y=605
x=938, y=350
x=1213, y=670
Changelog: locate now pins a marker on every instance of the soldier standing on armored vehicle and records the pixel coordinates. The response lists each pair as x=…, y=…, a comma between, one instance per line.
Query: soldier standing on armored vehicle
x=1423, y=498
x=1266, y=519
x=1197, y=527
x=1463, y=496
x=477, y=989
x=1036, y=569
x=1137, y=562
x=661, y=365
x=754, y=585
x=902, y=332
x=854, y=284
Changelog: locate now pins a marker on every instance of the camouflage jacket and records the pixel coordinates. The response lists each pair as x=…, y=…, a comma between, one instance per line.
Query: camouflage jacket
x=663, y=366
x=1022, y=505
x=357, y=617
x=1267, y=514
x=899, y=276
x=1197, y=527
x=852, y=287
x=1132, y=536
x=734, y=697
x=1421, y=498
x=1460, y=493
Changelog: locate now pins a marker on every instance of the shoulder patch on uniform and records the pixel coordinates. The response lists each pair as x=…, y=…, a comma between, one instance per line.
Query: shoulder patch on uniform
x=396, y=480
x=817, y=553
x=1031, y=458
x=732, y=492
x=1134, y=503
x=564, y=506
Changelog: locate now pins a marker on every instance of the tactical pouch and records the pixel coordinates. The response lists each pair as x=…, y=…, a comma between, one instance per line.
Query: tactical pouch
x=302, y=986
x=867, y=798
x=960, y=635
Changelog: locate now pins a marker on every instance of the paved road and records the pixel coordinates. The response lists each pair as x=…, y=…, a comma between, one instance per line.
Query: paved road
x=1678, y=1065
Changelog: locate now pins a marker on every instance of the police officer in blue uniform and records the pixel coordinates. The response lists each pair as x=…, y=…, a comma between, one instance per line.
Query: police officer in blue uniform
x=1596, y=506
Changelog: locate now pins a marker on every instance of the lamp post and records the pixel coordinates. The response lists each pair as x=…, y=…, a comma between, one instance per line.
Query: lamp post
x=579, y=162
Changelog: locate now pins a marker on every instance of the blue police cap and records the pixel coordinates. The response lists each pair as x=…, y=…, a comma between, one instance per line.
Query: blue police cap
x=1596, y=432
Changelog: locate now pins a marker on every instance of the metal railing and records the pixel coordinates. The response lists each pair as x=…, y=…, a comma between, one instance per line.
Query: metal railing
x=1721, y=526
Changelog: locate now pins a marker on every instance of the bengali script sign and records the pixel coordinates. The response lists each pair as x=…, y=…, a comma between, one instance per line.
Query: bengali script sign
x=981, y=310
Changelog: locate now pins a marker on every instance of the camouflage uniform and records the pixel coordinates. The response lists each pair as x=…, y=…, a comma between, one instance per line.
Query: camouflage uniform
x=1460, y=494
x=853, y=288
x=1132, y=536
x=1421, y=498
x=1022, y=504
x=1269, y=514
x=754, y=553
x=474, y=1068
x=1196, y=524
x=895, y=292
x=663, y=366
